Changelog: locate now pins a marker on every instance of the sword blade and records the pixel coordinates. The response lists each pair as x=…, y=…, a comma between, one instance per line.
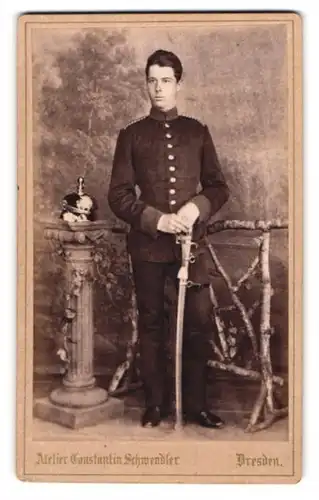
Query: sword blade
x=178, y=353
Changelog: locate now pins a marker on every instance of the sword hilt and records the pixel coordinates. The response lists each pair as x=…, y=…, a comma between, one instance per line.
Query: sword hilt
x=185, y=240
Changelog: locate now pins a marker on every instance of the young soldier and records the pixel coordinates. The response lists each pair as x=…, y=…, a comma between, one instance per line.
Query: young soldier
x=168, y=156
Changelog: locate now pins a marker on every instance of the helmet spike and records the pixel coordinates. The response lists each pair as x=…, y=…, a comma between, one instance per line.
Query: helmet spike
x=80, y=189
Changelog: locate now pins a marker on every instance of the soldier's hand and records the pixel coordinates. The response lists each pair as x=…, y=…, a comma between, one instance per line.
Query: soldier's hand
x=188, y=214
x=172, y=223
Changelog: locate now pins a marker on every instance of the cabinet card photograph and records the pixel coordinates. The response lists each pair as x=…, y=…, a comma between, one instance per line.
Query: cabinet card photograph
x=159, y=248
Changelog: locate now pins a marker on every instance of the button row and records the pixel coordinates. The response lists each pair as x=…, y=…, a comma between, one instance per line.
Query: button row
x=171, y=168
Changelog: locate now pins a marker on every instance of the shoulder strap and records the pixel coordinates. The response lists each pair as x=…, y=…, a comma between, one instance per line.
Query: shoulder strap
x=135, y=121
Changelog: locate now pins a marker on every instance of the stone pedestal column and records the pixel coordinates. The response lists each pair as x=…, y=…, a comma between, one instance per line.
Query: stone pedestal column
x=78, y=401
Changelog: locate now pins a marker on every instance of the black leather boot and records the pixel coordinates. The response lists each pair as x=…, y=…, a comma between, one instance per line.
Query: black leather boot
x=151, y=417
x=207, y=419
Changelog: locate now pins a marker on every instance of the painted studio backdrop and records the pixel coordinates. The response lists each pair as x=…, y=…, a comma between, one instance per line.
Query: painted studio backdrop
x=87, y=85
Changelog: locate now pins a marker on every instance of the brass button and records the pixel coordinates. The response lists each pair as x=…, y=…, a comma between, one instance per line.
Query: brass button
x=173, y=202
x=169, y=146
x=171, y=157
x=172, y=191
x=171, y=168
x=169, y=136
x=166, y=125
x=173, y=179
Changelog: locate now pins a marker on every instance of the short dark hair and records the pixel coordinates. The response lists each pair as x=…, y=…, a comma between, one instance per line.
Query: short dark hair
x=165, y=58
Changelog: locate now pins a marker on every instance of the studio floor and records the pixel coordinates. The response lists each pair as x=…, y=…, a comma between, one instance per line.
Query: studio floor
x=228, y=398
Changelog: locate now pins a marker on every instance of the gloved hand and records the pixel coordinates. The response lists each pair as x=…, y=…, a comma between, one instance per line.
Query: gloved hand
x=172, y=223
x=188, y=214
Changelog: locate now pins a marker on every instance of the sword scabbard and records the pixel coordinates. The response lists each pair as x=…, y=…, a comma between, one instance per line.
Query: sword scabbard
x=186, y=246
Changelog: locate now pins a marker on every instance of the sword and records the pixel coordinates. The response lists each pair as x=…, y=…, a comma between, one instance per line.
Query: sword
x=185, y=240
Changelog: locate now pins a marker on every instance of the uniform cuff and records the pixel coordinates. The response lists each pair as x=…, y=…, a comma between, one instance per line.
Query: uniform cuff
x=149, y=220
x=203, y=205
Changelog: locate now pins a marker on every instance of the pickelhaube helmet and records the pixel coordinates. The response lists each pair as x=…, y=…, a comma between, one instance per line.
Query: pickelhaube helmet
x=78, y=206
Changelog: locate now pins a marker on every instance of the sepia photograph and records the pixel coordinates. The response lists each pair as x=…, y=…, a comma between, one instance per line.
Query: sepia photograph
x=159, y=317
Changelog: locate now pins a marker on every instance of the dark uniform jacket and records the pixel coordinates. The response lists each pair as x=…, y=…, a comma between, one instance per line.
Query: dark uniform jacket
x=172, y=159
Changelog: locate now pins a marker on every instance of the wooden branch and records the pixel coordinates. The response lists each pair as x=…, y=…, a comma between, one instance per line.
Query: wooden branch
x=134, y=314
x=243, y=372
x=250, y=272
x=258, y=406
x=127, y=388
x=217, y=351
x=253, y=308
x=262, y=425
x=235, y=298
x=118, y=377
x=132, y=346
x=261, y=225
x=281, y=412
x=265, y=412
x=271, y=418
x=125, y=370
x=226, y=308
x=265, y=330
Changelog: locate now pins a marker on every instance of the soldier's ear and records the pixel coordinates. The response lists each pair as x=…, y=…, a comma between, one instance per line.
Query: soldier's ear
x=179, y=85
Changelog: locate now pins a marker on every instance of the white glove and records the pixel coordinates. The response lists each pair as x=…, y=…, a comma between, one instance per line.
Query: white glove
x=188, y=214
x=171, y=223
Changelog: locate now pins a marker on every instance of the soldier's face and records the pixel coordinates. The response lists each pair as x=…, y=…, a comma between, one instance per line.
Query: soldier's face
x=162, y=87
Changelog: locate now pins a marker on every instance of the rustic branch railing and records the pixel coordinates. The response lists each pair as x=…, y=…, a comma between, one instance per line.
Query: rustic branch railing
x=265, y=399
x=264, y=411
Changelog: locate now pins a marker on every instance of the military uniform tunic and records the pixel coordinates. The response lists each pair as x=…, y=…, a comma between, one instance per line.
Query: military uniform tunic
x=172, y=160
x=169, y=157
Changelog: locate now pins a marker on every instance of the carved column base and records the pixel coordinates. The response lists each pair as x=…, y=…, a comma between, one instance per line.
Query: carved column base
x=76, y=418
x=81, y=398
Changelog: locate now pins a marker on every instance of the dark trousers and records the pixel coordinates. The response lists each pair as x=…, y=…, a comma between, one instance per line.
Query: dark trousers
x=150, y=280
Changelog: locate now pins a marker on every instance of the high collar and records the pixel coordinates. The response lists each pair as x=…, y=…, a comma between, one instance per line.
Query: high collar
x=163, y=116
